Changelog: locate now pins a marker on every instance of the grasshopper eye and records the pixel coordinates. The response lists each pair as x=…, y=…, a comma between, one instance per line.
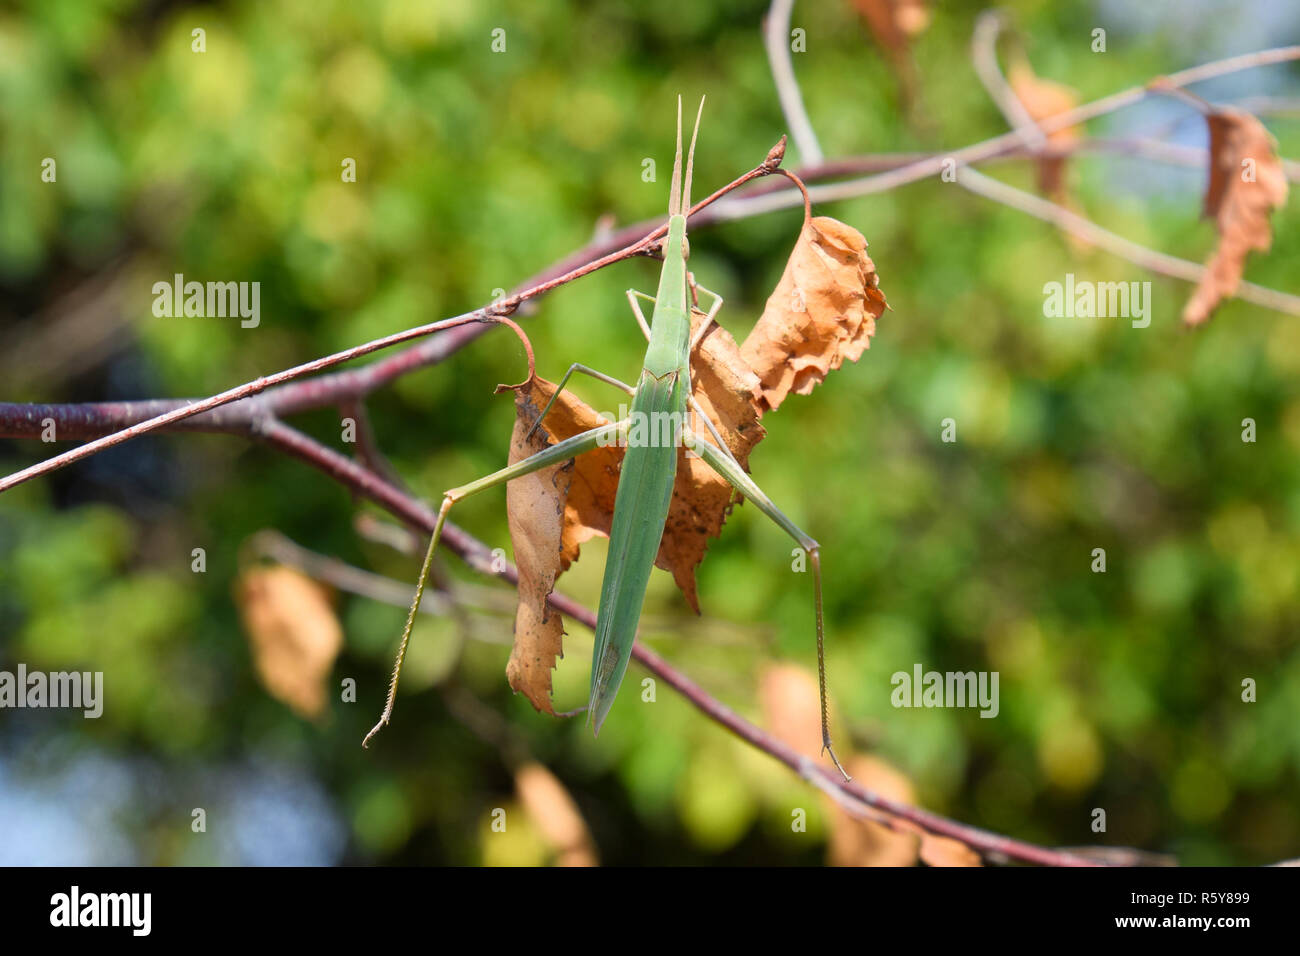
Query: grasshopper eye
x=686, y=248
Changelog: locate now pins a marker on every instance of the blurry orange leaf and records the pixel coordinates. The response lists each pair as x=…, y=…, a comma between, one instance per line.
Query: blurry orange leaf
x=552, y=810
x=912, y=16
x=535, y=504
x=894, y=23
x=822, y=312
x=858, y=842
x=791, y=706
x=943, y=851
x=293, y=633
x=791, y=710
x=1042, y=100
x=1246, y=184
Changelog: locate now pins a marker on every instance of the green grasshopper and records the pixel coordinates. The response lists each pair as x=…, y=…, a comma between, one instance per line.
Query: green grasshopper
x=645, y=486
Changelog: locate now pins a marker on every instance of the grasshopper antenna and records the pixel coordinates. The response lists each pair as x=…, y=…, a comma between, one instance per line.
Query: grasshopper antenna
x=675, y=191
x=690, y=157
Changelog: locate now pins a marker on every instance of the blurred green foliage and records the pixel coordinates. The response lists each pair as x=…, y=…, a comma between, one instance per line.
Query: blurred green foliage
x=477, y=169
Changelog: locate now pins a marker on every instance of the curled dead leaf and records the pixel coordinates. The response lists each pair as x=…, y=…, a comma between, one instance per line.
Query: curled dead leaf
x=593, y=478
x=535, y=506
x=557, y=818
x=293, y=633
x=1246, y=183
x=822, y=312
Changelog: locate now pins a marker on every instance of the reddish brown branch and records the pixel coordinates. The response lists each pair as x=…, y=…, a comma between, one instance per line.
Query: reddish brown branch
x=493, y=312
x=94, y=419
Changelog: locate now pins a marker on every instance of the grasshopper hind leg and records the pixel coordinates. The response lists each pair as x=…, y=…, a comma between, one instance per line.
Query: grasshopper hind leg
x=727, y=467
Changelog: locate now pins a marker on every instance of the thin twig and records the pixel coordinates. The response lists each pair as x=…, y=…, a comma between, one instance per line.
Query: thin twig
x=1284, y=106
x=401, y=539
x=1077, y=225
x=368, y=449
x=79, y=421
x=776, y=38
x=803, y=190
x=374, y=587
x=977, y=152
x=242, y=391
x=984, y=56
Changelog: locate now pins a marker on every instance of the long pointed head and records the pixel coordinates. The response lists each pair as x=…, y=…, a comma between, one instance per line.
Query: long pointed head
x=679, y=196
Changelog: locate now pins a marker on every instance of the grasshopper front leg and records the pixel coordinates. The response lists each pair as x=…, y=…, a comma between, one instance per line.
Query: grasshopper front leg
x=709, y=317
x=585, y=370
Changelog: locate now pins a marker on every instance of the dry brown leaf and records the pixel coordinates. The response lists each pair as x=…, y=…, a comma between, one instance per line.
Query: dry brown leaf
x=822, y=312
x=552, y=810
x=1240, y=206
x=594, y=478
x=293, y=633
x=1042, y=100
x=535, y=506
